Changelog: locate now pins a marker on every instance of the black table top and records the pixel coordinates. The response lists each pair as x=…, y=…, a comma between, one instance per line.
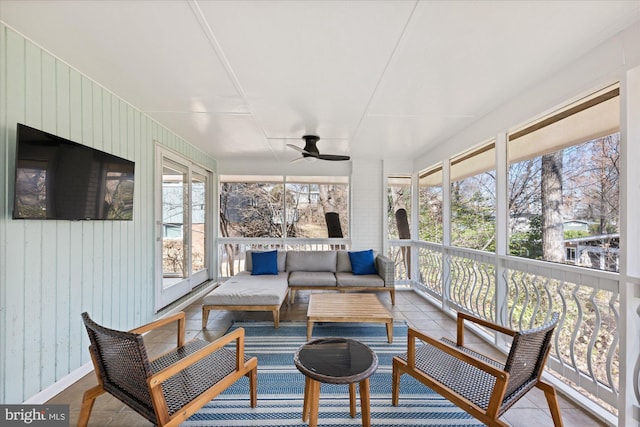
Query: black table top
x=336, y=360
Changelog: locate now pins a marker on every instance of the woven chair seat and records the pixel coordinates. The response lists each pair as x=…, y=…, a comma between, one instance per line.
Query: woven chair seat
x=465, y=379
x=194, y=380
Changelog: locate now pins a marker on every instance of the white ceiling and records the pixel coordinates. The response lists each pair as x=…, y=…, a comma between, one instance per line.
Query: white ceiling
x=374, y=79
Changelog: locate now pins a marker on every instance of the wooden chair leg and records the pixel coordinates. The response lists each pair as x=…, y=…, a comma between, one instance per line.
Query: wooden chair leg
x=552, y=401
x=253, y=386
x=395, y=384
x=87, y=404
x=205, y=317
x=276, y=318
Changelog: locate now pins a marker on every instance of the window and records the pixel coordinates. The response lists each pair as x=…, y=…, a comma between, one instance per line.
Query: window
x=399, y=207
x=430, y=205
x=473, y=199
x=174, y=216
x=564, y=184
x=318, y=208
x=251, y=208
x=198, y=221
x=182, y=214
x=276, y=206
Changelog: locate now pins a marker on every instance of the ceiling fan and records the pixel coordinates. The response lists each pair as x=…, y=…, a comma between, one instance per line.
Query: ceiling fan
x=310, y=151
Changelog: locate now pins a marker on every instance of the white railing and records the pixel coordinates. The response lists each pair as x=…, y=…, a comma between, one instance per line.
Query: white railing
x=231, y=250
x=521, y=293
x=515, y=292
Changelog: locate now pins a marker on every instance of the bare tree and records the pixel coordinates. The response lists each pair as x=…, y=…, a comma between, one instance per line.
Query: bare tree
x=552, y=220
x=398, y=205
x=603, y=191
x=331, y=201
x=524, y=189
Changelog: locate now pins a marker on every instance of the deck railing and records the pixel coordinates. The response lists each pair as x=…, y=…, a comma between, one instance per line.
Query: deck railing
x=521, y=293
x=231, y=250
x=515, y=292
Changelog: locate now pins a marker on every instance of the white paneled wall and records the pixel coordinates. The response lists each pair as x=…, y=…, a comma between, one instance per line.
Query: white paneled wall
x=52, y=271
x=366, y=205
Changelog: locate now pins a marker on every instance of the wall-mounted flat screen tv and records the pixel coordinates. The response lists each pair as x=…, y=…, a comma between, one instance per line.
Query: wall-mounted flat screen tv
x=61, y=179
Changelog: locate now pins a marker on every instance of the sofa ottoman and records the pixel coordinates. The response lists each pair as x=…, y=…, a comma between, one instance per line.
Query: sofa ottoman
x=244, y=292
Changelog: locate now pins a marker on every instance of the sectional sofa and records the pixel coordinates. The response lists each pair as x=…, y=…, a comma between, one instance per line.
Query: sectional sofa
x=270, y=276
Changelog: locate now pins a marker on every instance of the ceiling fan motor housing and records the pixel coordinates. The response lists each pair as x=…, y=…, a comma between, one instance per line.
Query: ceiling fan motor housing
x=310, y=145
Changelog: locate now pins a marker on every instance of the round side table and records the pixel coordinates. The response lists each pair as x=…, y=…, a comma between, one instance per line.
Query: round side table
x=335, y=361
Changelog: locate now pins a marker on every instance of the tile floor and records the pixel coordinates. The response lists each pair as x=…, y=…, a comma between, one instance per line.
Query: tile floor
x=532, y=410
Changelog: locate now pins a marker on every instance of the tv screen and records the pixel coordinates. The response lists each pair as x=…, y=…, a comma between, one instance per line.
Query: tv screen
x=60, y=179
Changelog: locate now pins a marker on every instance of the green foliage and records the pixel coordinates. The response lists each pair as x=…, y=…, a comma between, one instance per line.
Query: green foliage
x=528, y=244
x=430, y=228
x=473, y=221
x=575, y=234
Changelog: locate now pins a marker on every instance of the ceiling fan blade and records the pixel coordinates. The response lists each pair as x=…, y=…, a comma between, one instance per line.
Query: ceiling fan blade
x=304, y=152
x=333, y=157
x=296, y=148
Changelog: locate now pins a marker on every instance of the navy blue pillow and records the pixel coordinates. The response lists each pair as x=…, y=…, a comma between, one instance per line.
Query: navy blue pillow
x=264, y=263
x=362, y=262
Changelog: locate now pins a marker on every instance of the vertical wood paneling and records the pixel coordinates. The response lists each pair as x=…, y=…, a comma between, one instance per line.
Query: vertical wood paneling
x=98, y=237
x=52, y=271
x=78, y=340
x=32, y=248
x=50, y=250
x=4, y=168
x=64, y=316
x=126, y=270
x=107, y=259
x=141, y=234
x=131, y=240
x=63, y=104
x=147, y=151
x=119, y=254
x=97, y=118
x=15, y=262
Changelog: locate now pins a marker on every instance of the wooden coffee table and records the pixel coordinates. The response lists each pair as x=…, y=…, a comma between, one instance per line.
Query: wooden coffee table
x=343, y=307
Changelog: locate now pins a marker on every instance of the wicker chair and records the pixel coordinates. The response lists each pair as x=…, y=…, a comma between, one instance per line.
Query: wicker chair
x=171, y=388
x=476, y=383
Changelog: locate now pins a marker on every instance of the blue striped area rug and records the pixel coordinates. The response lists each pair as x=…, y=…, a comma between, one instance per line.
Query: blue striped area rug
x=281, y=385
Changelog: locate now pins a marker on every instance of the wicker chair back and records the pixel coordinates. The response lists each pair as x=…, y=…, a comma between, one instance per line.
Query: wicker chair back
x=526, y=359
x=123, y=364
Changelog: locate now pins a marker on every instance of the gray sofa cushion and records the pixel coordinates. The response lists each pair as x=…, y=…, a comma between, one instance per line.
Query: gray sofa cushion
x=245, y=289
x=311, y=261
x=281, y=260
x=344, y=263
x=312, y=278
x=364, y=280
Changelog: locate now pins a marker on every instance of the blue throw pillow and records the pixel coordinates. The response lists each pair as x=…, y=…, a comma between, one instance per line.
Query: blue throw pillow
x=264, y=263
x=362, y=262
